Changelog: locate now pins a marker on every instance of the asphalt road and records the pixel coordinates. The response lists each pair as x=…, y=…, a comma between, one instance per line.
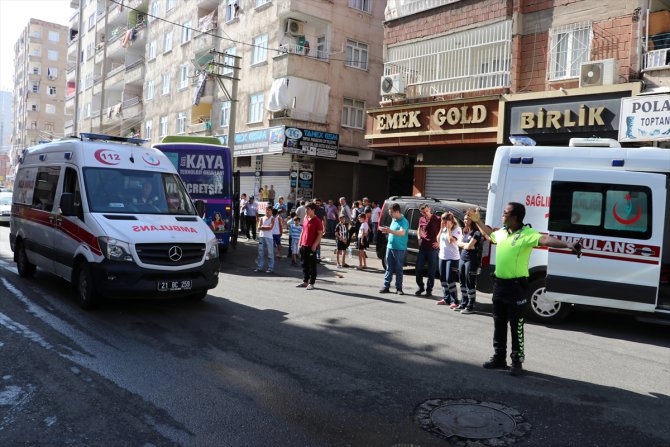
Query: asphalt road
x=261, y=363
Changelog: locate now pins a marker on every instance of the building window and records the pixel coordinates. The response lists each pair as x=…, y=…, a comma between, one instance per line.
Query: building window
x=186, y=32
x=570, y=47
x=91, y=21
x=170, y=4
x=261, y=2
x=48, y=126
x=181, y=122
x=52, y=55
x=183, y=76
x=165, y=84
x=51, y=90
x=155, y=5
x=229, y=61
x=363, y=5
x=148, y=129
x=54, y=36
x=225, y=114
x=163, y=130
x=232, y=9
x=52, y=72
x=256, y=103
x=353, y=113
x=150, y=89
x=260, y=49
x=321, y=48
x=152, y=50
x=51, y=109
x=167, y=42
x=36, y=88
x=357, y=54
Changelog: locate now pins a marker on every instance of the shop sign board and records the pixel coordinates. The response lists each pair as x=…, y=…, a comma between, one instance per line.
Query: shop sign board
x=312, y=143
x=567, y=115
x=645, y=118
x=269, y=140
x=439, y=118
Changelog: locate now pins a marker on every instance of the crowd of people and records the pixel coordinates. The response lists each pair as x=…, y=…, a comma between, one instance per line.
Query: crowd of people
x=455, y=251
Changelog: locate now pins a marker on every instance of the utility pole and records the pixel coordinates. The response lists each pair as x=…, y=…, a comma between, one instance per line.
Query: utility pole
x=216, y=69
x=77, y=75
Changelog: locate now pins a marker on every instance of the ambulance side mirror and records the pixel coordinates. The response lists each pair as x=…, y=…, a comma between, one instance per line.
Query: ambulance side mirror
x=68, y=207
x=200, y=208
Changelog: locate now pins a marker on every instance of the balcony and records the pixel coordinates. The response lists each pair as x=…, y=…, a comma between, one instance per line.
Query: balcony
x=135, y=73
x=401, y=8
x=204, y=42
x=292, y=63
x=656, y=60
x=115, y=76
x=131, y=108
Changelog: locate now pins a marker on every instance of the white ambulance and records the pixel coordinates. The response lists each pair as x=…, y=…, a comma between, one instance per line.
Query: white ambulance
x=113, y=218
x=615, y=199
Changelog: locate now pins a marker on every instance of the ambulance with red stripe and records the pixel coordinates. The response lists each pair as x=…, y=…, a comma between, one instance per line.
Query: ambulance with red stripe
x=615, y=200
x=113, y=218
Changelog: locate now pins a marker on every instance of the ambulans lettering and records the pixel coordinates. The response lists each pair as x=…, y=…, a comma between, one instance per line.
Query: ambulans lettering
x=600, y=245
x=194, y=161
x=538, y=200
x=139, y=228
x=107, y=156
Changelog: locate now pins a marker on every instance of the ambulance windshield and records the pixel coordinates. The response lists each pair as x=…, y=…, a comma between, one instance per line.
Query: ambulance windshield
x=137, y=192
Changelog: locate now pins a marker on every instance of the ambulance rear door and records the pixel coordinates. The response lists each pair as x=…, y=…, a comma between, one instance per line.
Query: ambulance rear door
x=620, y=217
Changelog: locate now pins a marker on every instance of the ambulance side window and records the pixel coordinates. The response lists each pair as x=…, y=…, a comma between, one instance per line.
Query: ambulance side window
x=71, y=185
x=601, y=209
x=45, y=188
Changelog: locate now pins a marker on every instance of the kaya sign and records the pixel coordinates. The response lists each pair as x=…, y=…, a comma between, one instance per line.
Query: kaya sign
x=645, y=118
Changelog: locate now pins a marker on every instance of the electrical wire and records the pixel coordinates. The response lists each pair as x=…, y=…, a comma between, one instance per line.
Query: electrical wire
x=230, y=39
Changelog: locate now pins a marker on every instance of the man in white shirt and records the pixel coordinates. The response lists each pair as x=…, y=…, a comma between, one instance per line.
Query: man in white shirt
x=301, y=211
x=265, y=242
x=374, y=219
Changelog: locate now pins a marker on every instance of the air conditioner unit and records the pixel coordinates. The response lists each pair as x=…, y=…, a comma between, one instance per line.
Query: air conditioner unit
x=596, y=73
x=295, y=27
x=392, y=85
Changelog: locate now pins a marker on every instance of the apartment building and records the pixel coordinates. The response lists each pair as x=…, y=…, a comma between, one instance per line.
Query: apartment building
x=106, y=67
x=308, y=70
x=39, y=85
x=462, y=76
x=5, y=135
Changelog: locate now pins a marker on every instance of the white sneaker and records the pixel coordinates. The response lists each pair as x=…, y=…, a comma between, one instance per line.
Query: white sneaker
x=310, y=287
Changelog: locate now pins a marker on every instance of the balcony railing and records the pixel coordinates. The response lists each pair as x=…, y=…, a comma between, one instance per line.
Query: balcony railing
x=656, y=60
x=402, y=8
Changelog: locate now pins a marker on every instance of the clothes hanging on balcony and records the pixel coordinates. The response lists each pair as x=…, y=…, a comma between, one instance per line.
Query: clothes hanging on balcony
x=202, y=79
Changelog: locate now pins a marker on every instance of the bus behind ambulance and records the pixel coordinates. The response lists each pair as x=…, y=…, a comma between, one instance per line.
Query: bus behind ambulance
x=113, y=218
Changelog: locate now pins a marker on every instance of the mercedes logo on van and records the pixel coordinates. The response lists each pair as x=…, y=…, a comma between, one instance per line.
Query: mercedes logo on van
x=174, y=253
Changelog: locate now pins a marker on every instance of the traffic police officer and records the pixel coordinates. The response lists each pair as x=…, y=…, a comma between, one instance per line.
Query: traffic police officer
x=515, y=242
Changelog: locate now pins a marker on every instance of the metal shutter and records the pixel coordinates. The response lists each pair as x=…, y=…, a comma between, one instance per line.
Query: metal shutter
x=276, y=171
x=464, y=182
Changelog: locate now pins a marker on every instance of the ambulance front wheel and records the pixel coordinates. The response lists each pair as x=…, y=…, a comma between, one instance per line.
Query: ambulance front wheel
x=541, y=309
x=25, y=268
x=84, y=286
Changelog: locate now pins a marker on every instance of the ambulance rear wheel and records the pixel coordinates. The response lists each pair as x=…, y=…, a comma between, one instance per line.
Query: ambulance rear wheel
x=24, y=267
x=541, y=309
x=84, y=287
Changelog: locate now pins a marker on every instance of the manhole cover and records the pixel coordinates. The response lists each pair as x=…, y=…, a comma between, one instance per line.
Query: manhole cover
x=463, y=420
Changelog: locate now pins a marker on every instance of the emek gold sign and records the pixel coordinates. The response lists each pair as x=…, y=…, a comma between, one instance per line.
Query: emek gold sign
x=451, y=116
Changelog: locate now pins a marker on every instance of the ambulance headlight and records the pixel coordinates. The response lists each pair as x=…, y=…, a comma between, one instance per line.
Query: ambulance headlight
x=114, y=249
x=213, y=250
